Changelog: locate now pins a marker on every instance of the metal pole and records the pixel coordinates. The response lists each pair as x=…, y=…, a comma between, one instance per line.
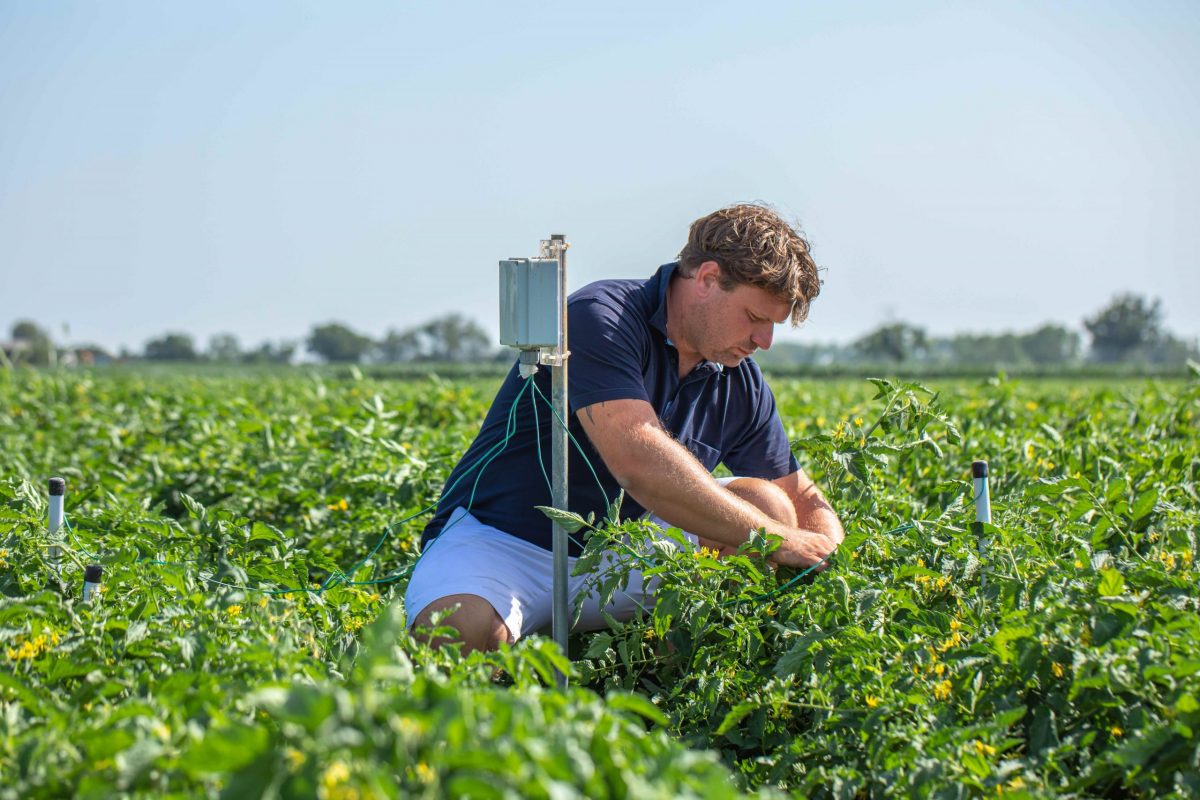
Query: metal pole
x=559, y=619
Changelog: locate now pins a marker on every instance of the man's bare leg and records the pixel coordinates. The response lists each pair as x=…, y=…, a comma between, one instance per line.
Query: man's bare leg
x=478, y=625
x=769, y=498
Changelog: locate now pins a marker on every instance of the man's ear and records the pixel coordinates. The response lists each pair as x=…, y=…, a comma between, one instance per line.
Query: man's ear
x=707, y=276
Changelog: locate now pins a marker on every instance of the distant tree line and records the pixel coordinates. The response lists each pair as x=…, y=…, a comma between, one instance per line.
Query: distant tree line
x=449, y=338
x=1128, y=330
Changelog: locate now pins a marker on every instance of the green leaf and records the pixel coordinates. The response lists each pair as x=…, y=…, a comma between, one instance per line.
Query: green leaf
x=637, y=704
x=1004, y=637
x=599, y=645
x=570, y=522
x=136, y=632
x=735, y=715
x=1143, y=507
x=225, y=750
x=1112, y=583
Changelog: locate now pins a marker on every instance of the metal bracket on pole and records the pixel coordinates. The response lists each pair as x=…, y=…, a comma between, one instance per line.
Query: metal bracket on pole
x=533, y=319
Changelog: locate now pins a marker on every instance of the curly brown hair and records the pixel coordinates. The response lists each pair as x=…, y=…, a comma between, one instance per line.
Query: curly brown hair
x=754, y=245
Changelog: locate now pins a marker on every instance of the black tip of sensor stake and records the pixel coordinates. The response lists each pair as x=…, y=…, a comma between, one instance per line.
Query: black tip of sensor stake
x=92, y=573
x=58, y=487
x=979, y=469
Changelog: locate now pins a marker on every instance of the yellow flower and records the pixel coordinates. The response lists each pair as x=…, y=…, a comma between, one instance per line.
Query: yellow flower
x=922, y=579
x=335, y=774
x=955, y=625
x=233, y=610
x=1168, y=560
x=374, y=598
x=858, y=421
x=942, y=690
x=1058, y=670
x=424, y=773
x=295, y=758
x=939, y=669
x=651, y=634
x=28, y=649
x=1029, y=451
x=1016, y=783
x=941, y=583
x=1186, y=558
x=984, y=749
x=262, y=603
x=921, y=563
x=1031, y=406
x=872, y=701
x=1116, y=730
x=955, y=639
x=1078, y=564
x=340, y=505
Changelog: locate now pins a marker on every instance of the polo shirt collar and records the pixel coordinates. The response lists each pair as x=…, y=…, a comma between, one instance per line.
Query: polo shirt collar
x=659, y=284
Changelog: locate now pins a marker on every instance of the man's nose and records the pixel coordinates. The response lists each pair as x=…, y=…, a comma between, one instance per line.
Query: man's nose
x=763, y=336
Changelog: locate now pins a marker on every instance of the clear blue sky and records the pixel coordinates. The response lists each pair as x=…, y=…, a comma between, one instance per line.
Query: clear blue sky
x=260, y=167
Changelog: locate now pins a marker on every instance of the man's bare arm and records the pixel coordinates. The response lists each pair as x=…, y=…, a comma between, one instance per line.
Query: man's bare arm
x=813, y=512
x=662, y=475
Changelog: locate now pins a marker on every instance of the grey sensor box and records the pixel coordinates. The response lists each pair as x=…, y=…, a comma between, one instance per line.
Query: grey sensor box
x=529, y=302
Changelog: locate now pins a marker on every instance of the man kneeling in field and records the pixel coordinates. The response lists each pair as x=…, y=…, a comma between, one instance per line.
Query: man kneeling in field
x=661, y=391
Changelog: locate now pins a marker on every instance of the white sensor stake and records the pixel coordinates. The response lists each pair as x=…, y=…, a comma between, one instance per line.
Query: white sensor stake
x=983, y=501
x=58, y=489
x=92, y=575
x=983, y=509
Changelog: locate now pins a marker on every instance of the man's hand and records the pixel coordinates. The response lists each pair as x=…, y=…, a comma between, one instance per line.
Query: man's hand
x=663, y=476
x=804, y=550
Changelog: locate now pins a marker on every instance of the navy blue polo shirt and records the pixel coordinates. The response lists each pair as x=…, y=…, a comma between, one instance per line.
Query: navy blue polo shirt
x=619, y=351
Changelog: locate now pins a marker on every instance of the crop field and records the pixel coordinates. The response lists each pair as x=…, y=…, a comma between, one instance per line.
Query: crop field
x=248, y=640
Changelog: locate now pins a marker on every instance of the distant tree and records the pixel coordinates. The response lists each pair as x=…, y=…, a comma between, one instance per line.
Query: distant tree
x=451, y=337
x=1051, y=344
x=1125, y=328
x=171, y=347
x=398, y=346
x=1170, y=350
x=897, y=341
x=267, y=353
x=1000, y=348
x=334, y=342
x=224, y=347
x=33, y=345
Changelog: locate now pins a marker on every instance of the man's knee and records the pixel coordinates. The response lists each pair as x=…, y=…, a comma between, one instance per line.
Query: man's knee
x=769, y=498
x=479, y=626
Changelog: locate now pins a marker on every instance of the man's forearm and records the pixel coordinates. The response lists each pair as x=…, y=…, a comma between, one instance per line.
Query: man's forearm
x=681, y=491
x=663, y=476
x=813, y=511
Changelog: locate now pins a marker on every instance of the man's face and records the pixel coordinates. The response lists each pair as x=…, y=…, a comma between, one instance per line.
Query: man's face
x=727, y=326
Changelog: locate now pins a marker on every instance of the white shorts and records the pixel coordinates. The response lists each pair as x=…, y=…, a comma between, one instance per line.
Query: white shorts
x=515, y=576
